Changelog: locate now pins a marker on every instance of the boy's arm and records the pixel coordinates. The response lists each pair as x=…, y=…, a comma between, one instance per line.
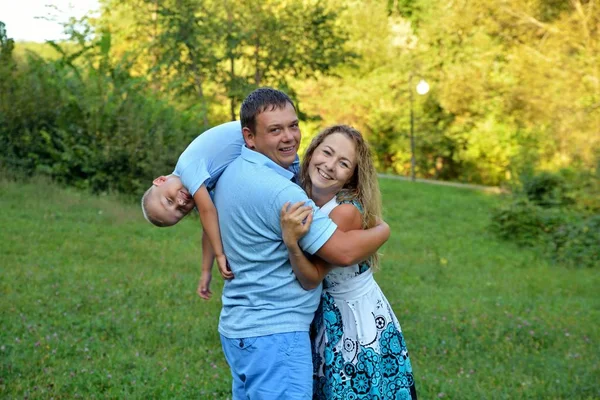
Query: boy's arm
x=208, y=258
x=347, y=248
x=210, y=223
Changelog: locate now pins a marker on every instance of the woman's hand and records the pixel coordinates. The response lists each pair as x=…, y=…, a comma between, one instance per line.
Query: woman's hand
x=295, y=222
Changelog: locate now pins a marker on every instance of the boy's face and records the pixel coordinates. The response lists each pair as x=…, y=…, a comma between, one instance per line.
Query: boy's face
x=277, y=135
x=169, y=201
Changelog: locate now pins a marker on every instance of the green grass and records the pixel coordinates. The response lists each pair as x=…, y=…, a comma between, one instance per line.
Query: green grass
x=97, y=304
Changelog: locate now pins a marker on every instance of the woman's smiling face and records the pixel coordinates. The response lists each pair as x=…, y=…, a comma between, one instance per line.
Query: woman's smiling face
x=332, y=165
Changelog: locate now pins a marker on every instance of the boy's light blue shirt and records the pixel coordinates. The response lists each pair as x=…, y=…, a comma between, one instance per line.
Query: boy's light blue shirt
x=205, y=159
x=264, y=297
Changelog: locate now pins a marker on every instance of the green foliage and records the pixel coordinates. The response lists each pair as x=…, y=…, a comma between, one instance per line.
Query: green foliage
x=583, y=188
x=517, y=82
x=514, y=85
x=549, y=214
x=576, y=189
x=525, y=223
x=87, y=122
x=547, y=189
x=578, y=244
x=200, y=51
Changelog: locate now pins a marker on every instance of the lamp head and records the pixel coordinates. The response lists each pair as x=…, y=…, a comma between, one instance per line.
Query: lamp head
x=422, y=87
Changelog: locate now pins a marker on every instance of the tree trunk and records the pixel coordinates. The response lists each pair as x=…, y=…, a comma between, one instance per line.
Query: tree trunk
x=231, y=60
x=257, y=60
x=232, y=97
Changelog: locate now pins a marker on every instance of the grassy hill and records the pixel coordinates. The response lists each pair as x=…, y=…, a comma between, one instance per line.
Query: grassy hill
x=98, y=304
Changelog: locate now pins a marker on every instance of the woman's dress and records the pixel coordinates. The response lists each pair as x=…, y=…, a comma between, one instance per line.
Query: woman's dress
x=358, y=347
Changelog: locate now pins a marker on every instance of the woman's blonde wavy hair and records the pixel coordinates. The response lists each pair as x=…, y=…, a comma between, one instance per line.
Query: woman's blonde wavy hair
x=363, y=186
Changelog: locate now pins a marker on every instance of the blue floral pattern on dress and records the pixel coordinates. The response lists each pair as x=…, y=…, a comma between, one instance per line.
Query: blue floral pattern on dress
x=385, y=374
x=352, y=366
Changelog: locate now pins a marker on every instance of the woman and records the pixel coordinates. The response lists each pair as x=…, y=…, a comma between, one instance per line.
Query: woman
x=358, y=347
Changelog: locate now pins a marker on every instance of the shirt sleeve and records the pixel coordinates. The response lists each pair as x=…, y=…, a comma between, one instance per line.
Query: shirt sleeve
x=322, y=227
x=193, y=175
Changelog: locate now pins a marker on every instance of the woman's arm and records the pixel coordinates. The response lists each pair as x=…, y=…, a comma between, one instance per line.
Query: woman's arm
x=348, y=248
x=210, y=224
x=311, y=272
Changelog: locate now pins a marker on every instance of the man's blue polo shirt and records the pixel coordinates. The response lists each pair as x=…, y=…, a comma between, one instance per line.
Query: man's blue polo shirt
x=265, y=297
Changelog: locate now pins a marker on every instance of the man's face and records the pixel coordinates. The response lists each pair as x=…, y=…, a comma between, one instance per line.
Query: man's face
x=169, y=201
x=277, y=135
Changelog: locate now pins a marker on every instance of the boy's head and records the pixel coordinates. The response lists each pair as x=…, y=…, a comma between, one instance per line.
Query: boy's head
x=167, y=201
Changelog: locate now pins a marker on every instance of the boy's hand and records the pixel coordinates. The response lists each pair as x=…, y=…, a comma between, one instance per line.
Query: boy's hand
x=295, y=221
x=224, y=267
x=204, y=285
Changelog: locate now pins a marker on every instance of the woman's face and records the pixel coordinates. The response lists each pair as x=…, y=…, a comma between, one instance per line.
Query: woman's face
x=333, y=163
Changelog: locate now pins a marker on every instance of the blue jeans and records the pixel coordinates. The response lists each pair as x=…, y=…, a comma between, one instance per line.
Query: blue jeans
x=270, y=367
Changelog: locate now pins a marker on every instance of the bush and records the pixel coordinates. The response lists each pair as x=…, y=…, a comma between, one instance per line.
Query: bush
x=525, y=223
x=547, y=190
x=583, y=188
x=578, y=244
x=555, y=212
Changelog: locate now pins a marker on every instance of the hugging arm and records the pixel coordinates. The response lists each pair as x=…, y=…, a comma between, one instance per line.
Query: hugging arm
x=355, y=245
x=311, y=272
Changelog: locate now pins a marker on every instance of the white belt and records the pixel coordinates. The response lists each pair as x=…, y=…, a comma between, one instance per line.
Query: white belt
x=353, y=311
x=353, y=288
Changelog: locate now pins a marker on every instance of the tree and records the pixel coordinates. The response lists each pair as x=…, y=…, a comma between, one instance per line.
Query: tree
x=228, y=47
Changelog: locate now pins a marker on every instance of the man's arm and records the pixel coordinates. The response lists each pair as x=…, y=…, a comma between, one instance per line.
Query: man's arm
x=295, y=223
x=347, y=248
x=210, y=223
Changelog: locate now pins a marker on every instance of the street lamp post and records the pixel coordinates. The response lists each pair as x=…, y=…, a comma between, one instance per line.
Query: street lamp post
x=422, y=88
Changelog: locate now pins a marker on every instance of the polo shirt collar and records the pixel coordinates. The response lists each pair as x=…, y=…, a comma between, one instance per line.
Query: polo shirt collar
x=258, y=158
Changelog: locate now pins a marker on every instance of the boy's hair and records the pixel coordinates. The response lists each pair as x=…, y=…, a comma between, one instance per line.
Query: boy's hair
x=261, y=100
x=144, y=204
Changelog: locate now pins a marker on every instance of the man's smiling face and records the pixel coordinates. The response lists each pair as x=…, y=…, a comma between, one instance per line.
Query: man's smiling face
x=277, y=135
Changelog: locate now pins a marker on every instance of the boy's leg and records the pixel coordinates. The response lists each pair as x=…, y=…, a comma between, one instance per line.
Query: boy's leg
x=270, y=367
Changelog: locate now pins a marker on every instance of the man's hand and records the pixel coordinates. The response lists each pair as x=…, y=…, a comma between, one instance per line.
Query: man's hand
x=204, y=285
x=295, y=222
x=224, y=267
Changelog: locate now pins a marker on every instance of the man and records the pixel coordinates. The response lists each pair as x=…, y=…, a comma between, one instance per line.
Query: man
x=266, y=314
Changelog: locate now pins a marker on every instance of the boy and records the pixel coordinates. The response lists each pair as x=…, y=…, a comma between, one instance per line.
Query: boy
x=199, y=167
